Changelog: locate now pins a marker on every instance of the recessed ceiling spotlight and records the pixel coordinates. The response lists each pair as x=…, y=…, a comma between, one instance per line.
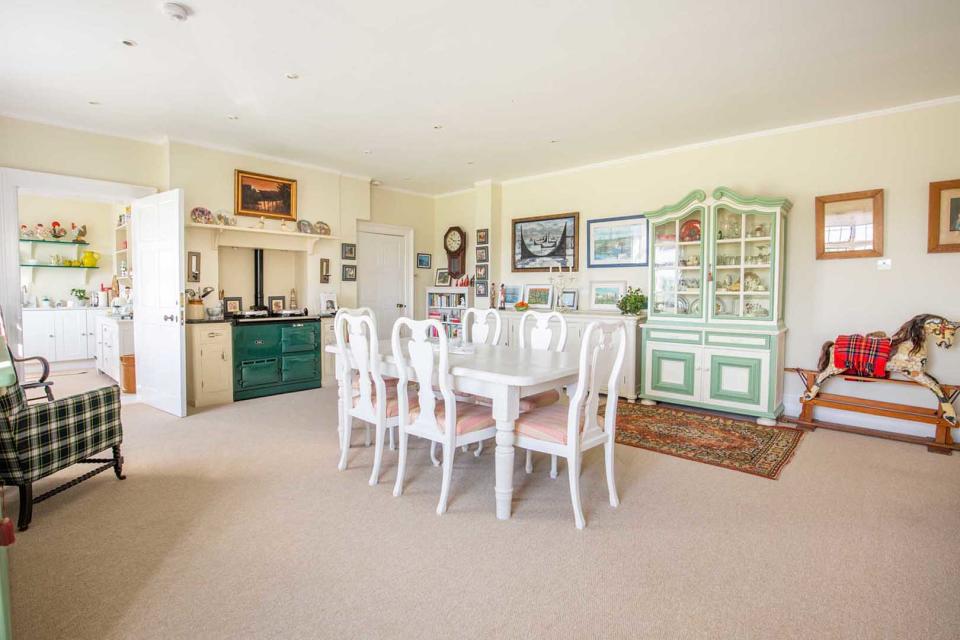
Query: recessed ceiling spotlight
x=407, y=179
x=232, y=117
x=554, y=141
x=469, y=161
x=367, y=152
x=129, y=43
x=438, y=126
x=376, y=183
x=292, y=76
x=93, y=102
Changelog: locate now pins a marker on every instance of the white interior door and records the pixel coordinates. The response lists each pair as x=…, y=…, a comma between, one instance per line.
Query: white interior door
x=158, y=335
x=381, y=272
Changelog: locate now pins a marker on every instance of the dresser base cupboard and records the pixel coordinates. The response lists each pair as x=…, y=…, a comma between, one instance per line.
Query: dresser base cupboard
x=61, y=335
x=577, y=322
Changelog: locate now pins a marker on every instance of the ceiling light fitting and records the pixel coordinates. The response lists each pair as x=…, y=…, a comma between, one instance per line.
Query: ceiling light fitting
x=176, y=11
x=129, y=43
x=93, y=102
x=292, y=76
x=376, y=183
x=438, y=126
x=232, y=117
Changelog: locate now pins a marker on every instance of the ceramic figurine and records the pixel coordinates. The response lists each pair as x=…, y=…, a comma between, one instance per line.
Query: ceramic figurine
x=56, y=230
x=43, y=233
x=261, y=223
x=27, y=233
x=293, y=298
x=81, y=233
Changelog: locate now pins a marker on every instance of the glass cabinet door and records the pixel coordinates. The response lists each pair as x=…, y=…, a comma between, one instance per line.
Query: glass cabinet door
x=744, y=268
x=678, y=266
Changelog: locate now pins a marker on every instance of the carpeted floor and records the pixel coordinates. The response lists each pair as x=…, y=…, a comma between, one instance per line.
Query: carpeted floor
x=234, y=523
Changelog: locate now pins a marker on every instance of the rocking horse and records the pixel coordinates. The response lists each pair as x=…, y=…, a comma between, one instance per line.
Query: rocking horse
x=876, y=356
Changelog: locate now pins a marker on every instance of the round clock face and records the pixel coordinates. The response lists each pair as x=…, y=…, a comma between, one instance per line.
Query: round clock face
x=452, y=241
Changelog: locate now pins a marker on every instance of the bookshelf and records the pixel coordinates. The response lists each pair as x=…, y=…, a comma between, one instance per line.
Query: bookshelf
x=447, y=305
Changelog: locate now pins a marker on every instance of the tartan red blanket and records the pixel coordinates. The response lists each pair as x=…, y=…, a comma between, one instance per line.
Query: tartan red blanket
x=862, y=355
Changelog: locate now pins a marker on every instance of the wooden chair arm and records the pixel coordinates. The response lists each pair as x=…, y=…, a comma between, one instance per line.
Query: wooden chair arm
x=43, y=362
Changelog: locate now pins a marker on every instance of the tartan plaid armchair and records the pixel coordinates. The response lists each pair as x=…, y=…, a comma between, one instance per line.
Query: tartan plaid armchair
x=40, y=439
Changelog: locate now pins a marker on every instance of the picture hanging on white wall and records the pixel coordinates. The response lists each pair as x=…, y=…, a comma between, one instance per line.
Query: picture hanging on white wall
x=617, y=242
x=605, y=295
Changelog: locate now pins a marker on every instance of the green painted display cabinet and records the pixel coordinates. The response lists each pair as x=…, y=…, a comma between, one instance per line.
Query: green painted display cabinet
x=714, y=336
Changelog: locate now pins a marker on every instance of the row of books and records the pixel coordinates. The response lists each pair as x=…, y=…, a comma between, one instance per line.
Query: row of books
x=446, y=299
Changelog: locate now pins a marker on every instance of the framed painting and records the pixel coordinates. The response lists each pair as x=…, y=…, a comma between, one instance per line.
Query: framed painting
x=483, y=254
x=328, y=303
x=617, y=242
x=442, y=279
x=538, y=296
x=542, y=242
x=256, y=194
x=232, y=306
x=512, y=293
x=276, y=303
x=943, y=226
x=569, y=299
x=348, y=272
x=605, y=295
x=424, y=261
x=483, y=236
x=482, y=288
x=850, y=225
x=482, y=272
x=348, y=251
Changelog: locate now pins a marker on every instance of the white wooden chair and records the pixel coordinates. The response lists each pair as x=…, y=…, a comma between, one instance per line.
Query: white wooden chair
x=569, y=430
x=372, y=397
x=437, y=418
x=541, y=337
x=478, y=330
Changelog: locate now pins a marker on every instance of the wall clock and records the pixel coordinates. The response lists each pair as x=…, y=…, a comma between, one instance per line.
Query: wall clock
x=455, y=243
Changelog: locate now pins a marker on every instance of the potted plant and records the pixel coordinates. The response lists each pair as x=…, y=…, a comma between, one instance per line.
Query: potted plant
x=633, y=302
x=80, y=295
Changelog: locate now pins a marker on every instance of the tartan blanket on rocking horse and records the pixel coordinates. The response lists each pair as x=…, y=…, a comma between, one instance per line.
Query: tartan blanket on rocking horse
x=862, y=355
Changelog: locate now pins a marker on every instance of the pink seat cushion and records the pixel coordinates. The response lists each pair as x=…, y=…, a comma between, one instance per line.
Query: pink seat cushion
x=388, y=379
x=538, y=400
x=547, y=423
x=470, y=417
x=393, y=402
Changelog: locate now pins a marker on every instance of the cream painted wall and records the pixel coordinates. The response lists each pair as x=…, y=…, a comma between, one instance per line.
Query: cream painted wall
x=417, y=212
x=100, y=219
x=901, y=153
x=41, y=147
x=207, y=178
x=455, y=210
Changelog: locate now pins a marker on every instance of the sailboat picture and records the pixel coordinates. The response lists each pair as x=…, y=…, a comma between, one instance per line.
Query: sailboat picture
x=543, y=242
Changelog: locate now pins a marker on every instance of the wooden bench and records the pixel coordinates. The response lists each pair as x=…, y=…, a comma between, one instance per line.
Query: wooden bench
x=942, y=442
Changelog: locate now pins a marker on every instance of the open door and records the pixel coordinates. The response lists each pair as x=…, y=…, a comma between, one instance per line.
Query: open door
x=158, y=260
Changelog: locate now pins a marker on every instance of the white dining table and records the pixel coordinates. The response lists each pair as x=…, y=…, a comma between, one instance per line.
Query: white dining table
x=502, y=374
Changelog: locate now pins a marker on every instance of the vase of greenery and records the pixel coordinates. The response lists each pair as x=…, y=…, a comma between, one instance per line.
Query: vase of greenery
x=80, y=295
x=633, y=302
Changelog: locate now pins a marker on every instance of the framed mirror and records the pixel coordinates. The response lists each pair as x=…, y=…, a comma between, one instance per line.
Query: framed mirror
x=850, y=225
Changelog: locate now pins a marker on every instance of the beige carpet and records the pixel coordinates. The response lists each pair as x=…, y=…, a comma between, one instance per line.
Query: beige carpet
x=234, y=523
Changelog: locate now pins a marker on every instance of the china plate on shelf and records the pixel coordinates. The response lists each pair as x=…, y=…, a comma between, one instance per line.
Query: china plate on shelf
x=695, y=307
x=690, y=231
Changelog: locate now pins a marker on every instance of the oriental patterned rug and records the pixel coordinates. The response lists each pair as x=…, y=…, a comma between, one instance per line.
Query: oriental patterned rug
x=718, y=440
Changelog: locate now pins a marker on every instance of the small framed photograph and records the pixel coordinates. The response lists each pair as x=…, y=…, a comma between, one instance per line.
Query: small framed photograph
x=512, y=293
x=442, y=279
x=482, y=272
x=328, y=303
x=850, y=225
x=348, y=272
x=348, y=251
x=569, y=299
x=482, y=289
x=605, y=295
x=538, y=296
x=483, y=254
x=324, y=270
x=424, y=261
x=483, y=236
x=276, y=303
x=232, y=305
x=943, y=227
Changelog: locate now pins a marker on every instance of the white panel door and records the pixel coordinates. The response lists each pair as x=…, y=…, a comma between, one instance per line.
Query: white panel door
x=381, y=268
x=70, y=327
x=157, y=231
x=38, y=334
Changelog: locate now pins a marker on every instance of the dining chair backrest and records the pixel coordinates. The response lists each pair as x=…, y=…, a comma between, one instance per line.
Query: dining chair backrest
x=423, y=362
x=541, y=334
x=604, y=345
x=477, y=324
x=357, y=340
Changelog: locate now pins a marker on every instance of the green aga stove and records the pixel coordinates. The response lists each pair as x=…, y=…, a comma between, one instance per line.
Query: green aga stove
x=275, y=355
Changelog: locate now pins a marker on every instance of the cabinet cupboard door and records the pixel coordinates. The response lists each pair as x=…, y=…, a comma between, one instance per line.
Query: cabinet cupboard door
x=216, y=374
x=71, y=331
x=673, y=371
x=736, y=378
x=38, y=335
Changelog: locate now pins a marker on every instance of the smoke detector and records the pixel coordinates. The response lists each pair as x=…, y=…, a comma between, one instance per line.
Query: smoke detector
x=176, y=11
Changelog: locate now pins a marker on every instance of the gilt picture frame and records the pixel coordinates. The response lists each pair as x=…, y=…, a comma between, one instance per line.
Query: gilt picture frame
x=263, y=196
x=943, y=224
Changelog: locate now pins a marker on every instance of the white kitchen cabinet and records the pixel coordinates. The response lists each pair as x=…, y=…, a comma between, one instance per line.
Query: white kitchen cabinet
x=577, y=321
x=116, y=339
x=70, y=330
x=209, y=363
x=61, y=335
x=39, y=338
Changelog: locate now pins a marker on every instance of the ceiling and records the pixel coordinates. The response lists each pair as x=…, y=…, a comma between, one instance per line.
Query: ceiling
x=503, y=79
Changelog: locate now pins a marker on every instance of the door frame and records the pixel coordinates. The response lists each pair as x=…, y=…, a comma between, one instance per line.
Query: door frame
x=406, y=233
x=12, y=182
